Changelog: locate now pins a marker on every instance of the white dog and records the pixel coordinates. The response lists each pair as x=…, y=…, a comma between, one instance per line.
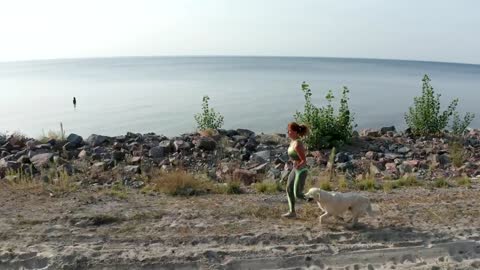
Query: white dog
x=336, y=204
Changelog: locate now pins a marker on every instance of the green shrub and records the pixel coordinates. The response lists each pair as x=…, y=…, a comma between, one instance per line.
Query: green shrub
x=327, y=128
x=441, y=183
x=425, y=118
x=268, y=187
x=208, y=118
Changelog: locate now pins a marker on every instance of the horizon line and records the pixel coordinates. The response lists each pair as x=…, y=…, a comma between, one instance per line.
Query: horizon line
x=221, y=55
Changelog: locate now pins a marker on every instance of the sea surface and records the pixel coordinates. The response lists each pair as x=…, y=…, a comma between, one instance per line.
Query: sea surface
x=162, y=94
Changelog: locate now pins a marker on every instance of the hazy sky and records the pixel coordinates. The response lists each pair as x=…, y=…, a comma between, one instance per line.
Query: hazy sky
x=437, y=30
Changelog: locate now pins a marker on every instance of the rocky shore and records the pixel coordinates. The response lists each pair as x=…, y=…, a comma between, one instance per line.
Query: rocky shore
x=376, y=153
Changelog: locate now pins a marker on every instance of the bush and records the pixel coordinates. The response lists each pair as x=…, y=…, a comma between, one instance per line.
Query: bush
x=208, y=118
x=425, y=118
x=181, y=183
x=327, y=128
x=268, y=187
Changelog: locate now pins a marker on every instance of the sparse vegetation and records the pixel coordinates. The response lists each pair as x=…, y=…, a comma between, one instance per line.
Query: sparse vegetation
x=231, y=187
x=369, y=184
x=464, y=181
x=327, y=128
x=53, y=135
x=441, y=183
x=268, y=187
x=326, y=185
x=407, y=181
x=425, y=118
x=457, y=153
x=181, y=183
x=208, y=118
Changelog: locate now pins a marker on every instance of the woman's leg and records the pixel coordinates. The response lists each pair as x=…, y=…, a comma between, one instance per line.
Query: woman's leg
x=291, y=191
x=300, y=178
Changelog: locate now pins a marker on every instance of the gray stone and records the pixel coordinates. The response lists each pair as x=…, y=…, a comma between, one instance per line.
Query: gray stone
x=385, y=130
x=206, y=143
x=262, y=168
x=261, y=157
x=42, y=160
x=245, y=176
x=132, y=169
x=75, y=140
x=118, y=156
x=342, y=157
x=99, y=167
x=97, y=140
x=403, y=150
x=245, y=132
x=167, y=146
x=157, y=152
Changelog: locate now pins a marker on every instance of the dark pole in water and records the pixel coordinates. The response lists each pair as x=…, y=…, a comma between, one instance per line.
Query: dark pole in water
x=74, y=102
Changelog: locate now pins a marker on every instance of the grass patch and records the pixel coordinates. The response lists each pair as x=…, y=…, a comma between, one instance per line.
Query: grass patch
x=342, y=183
x=326, y=185
x=464, y=181
x=268, y=187
x=388, y=186
x=408, y=181
x=441, y=183
x=457, y=154
x=181, y=183
x=369, y=184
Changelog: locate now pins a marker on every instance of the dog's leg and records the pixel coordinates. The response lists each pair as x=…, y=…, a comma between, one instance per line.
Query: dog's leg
x=322, y=217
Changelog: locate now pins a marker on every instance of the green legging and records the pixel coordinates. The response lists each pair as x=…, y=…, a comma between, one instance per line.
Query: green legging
x=295, y=185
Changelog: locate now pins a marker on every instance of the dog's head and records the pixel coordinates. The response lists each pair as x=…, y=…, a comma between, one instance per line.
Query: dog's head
x=313, y=193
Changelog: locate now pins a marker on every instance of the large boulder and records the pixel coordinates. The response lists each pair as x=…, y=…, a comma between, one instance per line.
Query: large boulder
x=245, y=176
x=42, y=160
x=261, y=157
x=97, y=140
x=75, y=140
x=206, y=143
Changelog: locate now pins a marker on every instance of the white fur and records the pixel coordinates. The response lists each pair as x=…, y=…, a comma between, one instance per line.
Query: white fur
x=336, y=204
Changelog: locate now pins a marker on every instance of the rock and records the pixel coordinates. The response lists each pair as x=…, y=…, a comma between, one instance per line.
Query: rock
x=42, y=160
x=245, y=132
x=35, y=152
x=231, y=133
x=69, y=147
x=206, y=143
x=24, y=159
x=404, y=168
x=371, y=155
x=245, y=176
x=83, y=154
x=157, y=152
x=391, y=168
x=274, y=173
x=99, y=167
x=342, y=157
x=30, y=145
x=6, y=166
x=261, y=157
x=97, y=140
x=118, y=156
x=251, y=144
x=345, y=166
x=403, y=150
x=385, y=130
x=262, y=168
x=374, y=170
x=167, y=146
x=135, y=160
x=181, y=145
x=412, y=163
x=75, y=140
x=245, y=156
x=370, y=133
x=67, y=168
x=132, y=169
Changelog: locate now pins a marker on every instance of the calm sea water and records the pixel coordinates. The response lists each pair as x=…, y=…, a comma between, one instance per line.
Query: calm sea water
x=161, y=94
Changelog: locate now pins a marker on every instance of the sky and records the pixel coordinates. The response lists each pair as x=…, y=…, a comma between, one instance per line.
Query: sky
x=429, y=30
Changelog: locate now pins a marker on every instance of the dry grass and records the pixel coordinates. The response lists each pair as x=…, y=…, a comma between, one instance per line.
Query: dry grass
x=369, y=184
x=52, y=181
x=181, y=183
x=342, y=183
x=231, y=187
x=408, y=181
x=464, y=181
x=268, y=187
x=457, y=154
x=441, y=183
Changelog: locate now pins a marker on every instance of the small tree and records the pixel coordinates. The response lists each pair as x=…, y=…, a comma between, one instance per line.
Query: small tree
x=327, y=129
x=208, y=118
x=425, y=118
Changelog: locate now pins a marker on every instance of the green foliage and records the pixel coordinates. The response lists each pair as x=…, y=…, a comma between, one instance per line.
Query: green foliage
x=208, y=118
x=425, y=118
x=327, y=128
x=460, y=125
